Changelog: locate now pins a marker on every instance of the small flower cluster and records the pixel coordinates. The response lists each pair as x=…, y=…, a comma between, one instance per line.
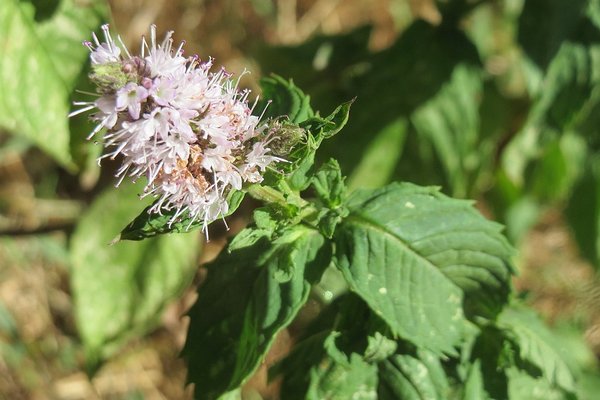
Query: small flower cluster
x=188, y=130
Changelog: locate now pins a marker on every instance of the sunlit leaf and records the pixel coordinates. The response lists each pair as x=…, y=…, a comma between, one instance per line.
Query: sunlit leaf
x=302, y=166
x=567, y=103
x=339, y=376
x=412, y=377
x=537, y=346
x=40, y=63
x=418, y=257
x=524, y=386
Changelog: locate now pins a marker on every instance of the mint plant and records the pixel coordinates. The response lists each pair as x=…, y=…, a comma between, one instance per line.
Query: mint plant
x=386, y=289
x=420, y=302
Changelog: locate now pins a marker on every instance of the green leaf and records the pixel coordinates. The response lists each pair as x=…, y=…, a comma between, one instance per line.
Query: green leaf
x=525, y=387
x=558, y=168
x=264, y=227
x=282, y=97
x=544, y=25
x=389, y=86
x=329, y=184
x=297, y=367
x=379, y=347
x=583, y=212
x=490, y=356
x=520, y=217
x=453, y=10
x=340, y=377
x=39, y=66
x=569, y=85
x=415, y=255
x=379, y=159
x=537, y=346
x=412, y=377
x=473, y=387
x=62, y=34
x=147, y=225
x=324, y=128
x=567, y=103
x=450, y=121
x=250, y=294
x=331, y=191
x=300, y=170
x=120, y=290
x=326, y=361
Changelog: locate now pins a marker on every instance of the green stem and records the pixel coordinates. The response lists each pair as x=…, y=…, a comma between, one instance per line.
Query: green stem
x=269, y=195
x=266, y=194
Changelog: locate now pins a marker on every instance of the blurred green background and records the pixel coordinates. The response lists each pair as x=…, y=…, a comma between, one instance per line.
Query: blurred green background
x=495, y=100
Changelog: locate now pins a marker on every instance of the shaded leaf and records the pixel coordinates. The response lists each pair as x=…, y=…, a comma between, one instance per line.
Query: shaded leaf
x=491, y=356
x=453, y=10
x=393, y=83
x=388, y=85
x=249, y=295
x=379, y=159
x=326, y=361
x=283, y=98
x=473, y=387
x=120, y=290
x=583, y=212
x=545, y=24
x=451, y=122
x=147, y=225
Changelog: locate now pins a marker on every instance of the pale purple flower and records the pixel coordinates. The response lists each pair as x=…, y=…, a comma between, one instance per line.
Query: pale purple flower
x=108, y=109
x=131, y=97
x=161, y=60
x=189, y=131
x=163, y=91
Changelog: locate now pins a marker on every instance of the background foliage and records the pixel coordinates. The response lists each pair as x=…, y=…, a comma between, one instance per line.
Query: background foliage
x=491, y=100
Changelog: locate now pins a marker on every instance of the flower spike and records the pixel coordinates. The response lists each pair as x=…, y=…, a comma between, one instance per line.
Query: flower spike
x=189, y=131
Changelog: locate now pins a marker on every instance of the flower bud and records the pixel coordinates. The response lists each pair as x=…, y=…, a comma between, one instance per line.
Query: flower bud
x=109, y=77
x=285, y=135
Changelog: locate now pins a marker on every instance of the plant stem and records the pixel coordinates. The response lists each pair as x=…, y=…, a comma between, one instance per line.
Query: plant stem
x=270, y=195
x=266, y=194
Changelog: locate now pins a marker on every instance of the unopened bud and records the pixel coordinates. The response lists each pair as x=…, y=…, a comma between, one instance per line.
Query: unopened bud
x=285, y=136
x=108, y=77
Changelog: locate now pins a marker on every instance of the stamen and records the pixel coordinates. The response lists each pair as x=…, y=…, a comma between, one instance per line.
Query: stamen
x=82, y=110
x=123, y=46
